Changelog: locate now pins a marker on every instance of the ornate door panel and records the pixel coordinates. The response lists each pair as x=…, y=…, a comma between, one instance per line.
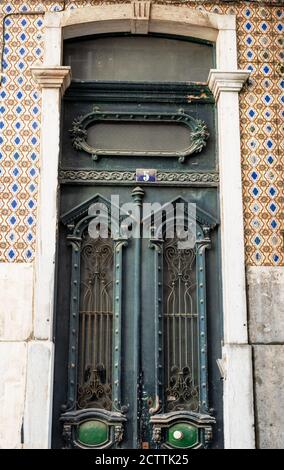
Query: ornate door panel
x=138, y=327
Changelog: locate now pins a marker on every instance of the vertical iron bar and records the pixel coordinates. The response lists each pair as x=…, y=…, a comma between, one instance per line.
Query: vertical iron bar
x=168, y=348
x=106, y=321
x=137, y=195
x=185, y=326
x=82, y=361
x=75, y=242
x=174, y=330
x=89, y=335
x=95, y=332
x=158, y=328
x=110, y=349
x=117, y=300
x=202, y=323
x=101, y=329
x=193, y=359
x=179, y=314
x=101, y=336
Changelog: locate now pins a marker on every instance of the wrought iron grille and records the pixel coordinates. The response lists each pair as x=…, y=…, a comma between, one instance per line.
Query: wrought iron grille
x=96, y=317
x=180, y=328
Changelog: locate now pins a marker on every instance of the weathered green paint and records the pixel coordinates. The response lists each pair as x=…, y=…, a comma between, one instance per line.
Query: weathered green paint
x=183, y=435
x=93, y=433
x=138, y=389
x=112, y=91
x=197, y=132
x=147, y=386
x=119, y=245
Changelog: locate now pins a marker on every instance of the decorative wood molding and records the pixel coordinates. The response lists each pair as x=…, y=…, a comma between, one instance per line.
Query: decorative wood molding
x=52, y=77
x=132, y=92
x=163, y=177
x=197, y=131
x=219, y=81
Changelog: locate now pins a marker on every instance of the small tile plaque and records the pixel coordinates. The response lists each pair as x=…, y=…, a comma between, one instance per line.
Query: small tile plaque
x=146, y=175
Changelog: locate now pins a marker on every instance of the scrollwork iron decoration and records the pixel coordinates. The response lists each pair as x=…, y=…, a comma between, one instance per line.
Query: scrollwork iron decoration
x=96, y=317
x=79, y=134
x=95, y=392
x=116, y=177
x=181, y=393
x=180, y=325
x=179, y=263
x=198, y=133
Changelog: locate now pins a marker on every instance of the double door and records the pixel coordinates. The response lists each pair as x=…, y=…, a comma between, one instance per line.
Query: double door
x=138, y=327
x=139, y=306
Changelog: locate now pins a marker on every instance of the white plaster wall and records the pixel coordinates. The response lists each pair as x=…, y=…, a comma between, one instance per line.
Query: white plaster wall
x=266, y=330
x=16, y=328
x=238, y=397
x=266, y=304
x=16, y=288
x=13, y=362
x=26, y=364
x=38, y=394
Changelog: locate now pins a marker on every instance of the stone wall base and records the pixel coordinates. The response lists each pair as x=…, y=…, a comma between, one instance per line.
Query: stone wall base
x=266, y=332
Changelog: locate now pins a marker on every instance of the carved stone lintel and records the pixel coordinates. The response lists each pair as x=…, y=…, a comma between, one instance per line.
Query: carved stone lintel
x=140, y=17
x=52, y=77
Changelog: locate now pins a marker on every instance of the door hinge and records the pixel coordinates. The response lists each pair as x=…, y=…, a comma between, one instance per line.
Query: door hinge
x=222, y=367
x=22, y=432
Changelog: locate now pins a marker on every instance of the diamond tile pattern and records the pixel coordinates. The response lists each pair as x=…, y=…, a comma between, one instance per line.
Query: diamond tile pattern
x=260, y=30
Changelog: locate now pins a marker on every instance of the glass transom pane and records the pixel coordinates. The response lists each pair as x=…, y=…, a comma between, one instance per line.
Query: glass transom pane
x=139, y=137
x=132, y=58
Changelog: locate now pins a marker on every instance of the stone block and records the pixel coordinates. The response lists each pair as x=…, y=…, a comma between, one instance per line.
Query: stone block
x=37, y=418
x=12, y=393
x=269, y=395
x=266, y=304
x=16, y=305
x=238, y=397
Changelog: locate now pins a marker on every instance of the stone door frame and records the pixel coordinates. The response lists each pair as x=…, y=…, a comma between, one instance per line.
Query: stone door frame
x=141, y=17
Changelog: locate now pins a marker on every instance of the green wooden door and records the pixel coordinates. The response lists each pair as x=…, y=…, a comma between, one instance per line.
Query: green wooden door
x=138, y=325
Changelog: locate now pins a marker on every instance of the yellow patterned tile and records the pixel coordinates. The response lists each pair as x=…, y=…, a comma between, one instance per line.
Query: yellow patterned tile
x=260, y=37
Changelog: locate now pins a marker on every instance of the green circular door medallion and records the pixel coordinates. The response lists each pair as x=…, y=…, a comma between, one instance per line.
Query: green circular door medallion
x=93, y=433
x=183, y=435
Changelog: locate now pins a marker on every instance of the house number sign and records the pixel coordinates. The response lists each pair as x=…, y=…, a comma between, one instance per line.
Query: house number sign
x=146, y=176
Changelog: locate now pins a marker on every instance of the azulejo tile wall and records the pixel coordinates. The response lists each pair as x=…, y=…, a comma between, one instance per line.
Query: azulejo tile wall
x=260, y=29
